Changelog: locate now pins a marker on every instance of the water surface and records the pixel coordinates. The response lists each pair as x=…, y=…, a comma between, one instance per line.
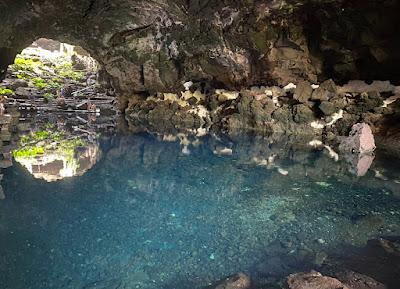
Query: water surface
x=178, y=212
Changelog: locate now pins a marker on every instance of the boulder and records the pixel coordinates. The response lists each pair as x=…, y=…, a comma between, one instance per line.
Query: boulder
x=360, y=140
x=303, y=92
x=19, y=83
x=5, y=164
x=302, y=113
x=325, y=91
x=327, y=108
x=237, y=281
x=313, y=280
x=22, y=92
x=339, y=102
x=282, y=115
x=5, y=119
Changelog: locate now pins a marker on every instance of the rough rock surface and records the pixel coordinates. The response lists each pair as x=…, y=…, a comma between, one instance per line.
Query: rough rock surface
x=360, y=141
x=237, y=281
x=159, y=45
x=313, y=280
x=262, y=109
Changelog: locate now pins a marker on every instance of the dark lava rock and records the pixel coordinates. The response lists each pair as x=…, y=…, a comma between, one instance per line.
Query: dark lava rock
x=19, y=83
x=192, y=101
x=339, y=102
x=327, y=108
x=303, y=91
x=23, y=92
x=325, y=91
x=158, y=45
x=302, y=113
x=237, y=281
x=283, y=115
x=313, y=280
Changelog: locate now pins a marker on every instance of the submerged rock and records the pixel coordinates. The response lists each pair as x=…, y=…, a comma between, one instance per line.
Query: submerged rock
x=237, y=281
x=313, y=280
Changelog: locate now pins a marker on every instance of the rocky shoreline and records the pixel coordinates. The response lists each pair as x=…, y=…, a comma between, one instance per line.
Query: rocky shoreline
x=359, y=271
x=325, y=110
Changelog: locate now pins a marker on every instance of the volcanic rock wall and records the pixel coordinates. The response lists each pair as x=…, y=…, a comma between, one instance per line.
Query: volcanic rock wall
x=158, y=45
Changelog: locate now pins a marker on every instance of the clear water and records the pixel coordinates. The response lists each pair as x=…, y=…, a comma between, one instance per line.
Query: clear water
x=185, y=213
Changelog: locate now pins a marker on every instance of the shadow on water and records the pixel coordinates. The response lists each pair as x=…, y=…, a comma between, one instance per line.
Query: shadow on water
x=178, y=211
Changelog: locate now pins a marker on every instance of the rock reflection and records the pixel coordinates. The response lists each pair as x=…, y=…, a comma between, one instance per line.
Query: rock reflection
x=148, y=212
x=53, y=165
x=359, y=164
x=55, y=155
x=288, y=156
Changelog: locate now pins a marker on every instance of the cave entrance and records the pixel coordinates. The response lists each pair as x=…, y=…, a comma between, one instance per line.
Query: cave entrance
x=53, y=104
x=51, y=76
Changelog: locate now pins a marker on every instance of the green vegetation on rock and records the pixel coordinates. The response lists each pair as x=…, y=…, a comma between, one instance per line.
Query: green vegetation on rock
x=6, y=91
x=48, y=140
x=26, y=64
x=66, y=70
x=46, y=76
x=29, y=152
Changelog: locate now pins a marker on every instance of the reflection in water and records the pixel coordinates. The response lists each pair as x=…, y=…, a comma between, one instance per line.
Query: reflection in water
x=55, y=165
x=159, y=211
x=53, y=155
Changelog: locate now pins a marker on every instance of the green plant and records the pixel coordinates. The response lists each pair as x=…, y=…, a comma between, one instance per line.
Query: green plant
x=48, y=96
x=34, y=137
x=47, y=141
x=29, y=152
x=26, y=64
x=39, y=83
x=6, y=91
x=23, y=75
x=54, y=85
x=66, y=70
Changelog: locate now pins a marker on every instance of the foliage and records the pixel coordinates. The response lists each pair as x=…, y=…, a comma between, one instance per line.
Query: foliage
x=45, y=76
x=42, y=135
x=48, y=96
x=28, y=152
x=39, y=83
x=66, y=70
x=26, y=64
x=43, y=84
x=6, y=91
x=46, y=141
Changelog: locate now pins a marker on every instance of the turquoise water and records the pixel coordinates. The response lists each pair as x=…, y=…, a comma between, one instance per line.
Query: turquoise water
x=186, y=212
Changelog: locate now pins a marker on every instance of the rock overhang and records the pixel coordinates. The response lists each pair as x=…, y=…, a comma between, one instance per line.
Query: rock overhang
x=159, y=45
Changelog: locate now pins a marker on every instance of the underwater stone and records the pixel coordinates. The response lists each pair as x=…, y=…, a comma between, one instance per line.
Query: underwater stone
x=313, y=280
x=237, y=281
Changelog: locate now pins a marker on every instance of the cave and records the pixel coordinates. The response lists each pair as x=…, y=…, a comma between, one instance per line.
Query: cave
x=185, y=144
